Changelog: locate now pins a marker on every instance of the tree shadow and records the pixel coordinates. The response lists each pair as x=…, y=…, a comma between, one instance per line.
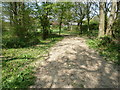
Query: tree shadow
x=83, y=69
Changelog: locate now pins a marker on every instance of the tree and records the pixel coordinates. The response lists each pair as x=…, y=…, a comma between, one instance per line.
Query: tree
x=102, y=19
x=68, y=15
x=19, y=18
x=80, y=11
x=60, y=9
x=43, y=12
x=88, y=13
x=112, y=18
x=116, y=25
x=107, y=6
x=118, y=10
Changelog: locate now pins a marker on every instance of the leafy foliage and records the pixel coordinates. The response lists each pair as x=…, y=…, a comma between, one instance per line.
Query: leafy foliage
x=15, y=76
x=26, y=26
x=16, y=42
x=16, y=69
x=107, y=47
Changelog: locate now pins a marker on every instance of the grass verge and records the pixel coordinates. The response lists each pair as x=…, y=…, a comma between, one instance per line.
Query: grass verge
x=16, y=69
x=109, y=49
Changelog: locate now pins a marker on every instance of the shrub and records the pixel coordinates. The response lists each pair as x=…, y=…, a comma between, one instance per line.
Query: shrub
x=107, y=48
x=103, y=41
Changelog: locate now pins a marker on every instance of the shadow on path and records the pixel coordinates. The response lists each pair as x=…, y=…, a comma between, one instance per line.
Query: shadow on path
x=71, y=64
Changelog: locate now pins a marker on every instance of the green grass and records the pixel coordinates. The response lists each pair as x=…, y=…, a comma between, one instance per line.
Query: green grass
x=56, y=30
x=109, y=50
x=16, y=69
x=71, y=32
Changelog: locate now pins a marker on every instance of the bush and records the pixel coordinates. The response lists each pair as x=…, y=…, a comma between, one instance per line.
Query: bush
x=85, y=27
x=116, y=29
x=10, y=40
x=12, y=43
x=94, y=25
x=18, y=42
x=103, y=41
x=65, y=28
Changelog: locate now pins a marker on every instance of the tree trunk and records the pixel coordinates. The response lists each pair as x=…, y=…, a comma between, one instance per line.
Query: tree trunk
x=60, y=25
x=106, y=11
x=80, y=27
x=15, y=12
x=11, y=14
x=88, y=21
x=71, y=27
x=80, y=22
x=88, y=12
x=118, y=10
x=68, y=26
x=102, y=20
x=111, y=18
x=45, y=26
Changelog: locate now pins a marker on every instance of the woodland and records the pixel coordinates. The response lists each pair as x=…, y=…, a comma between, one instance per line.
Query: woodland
x=65, y=36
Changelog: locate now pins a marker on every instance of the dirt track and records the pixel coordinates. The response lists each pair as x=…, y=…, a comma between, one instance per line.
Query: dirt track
x=71, y=64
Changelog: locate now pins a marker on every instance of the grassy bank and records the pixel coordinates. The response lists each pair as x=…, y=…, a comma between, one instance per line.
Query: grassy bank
x=109, y=49
x=16, y=69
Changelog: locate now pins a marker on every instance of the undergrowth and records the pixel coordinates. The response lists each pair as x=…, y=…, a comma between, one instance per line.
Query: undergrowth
x=107, y=47
x=16, y=69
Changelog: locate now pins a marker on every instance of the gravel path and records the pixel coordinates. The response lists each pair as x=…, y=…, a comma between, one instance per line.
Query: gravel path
x=71, y=64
